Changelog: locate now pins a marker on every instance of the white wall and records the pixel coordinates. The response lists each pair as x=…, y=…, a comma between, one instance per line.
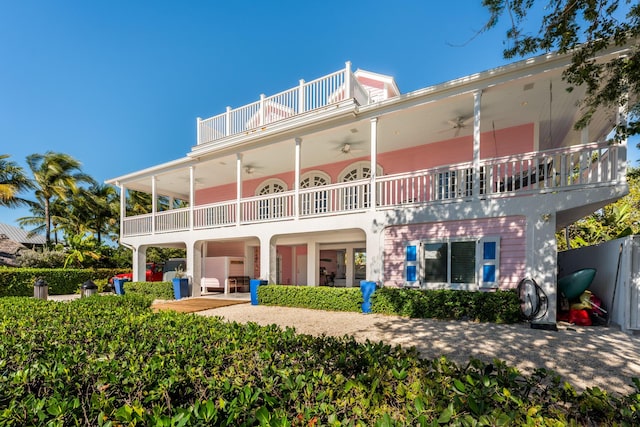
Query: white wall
x=604, y=257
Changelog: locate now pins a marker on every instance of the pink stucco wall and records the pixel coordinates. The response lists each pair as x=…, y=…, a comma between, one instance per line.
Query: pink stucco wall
x=503, y=142
x=511, y=230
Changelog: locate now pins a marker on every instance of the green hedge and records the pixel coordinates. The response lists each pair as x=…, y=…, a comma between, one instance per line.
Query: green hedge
x=155, y=290
x=108, y=361
x=316, y=297
x=498, y=307
x=19, y=281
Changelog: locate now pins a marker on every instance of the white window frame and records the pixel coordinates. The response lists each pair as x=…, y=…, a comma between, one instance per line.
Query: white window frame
x=492, y=264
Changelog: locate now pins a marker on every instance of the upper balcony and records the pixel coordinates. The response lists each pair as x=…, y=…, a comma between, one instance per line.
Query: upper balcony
x=307, y=96
x=559, y=170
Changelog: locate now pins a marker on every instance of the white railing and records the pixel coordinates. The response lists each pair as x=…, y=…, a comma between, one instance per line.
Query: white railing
x=137, y=225
x=214, y=215
x=267, y=208
x=309, y=96
x=172, y=220
x=553, y=170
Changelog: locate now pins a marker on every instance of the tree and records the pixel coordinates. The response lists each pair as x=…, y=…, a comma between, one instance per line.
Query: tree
x=55, y=176
x=583, y=28
x=13, y=181
x=615, y=220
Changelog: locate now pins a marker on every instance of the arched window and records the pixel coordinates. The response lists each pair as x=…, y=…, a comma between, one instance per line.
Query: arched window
x=272, y=207
x=357, y=196
x=314, y=201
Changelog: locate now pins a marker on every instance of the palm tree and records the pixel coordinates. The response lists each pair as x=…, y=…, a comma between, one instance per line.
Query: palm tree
x=55, y=176
x=13, y=181
x=98, y=208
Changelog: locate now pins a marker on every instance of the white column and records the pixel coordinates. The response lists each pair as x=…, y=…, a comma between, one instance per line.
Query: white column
x=373, y=194
x=192, y=195
x=123, y=207
x=349, y=267
x=268, y=256
x=622, y=119
x=542, y=258
x=347, y=81
x=375, y=263
x=301, y=99
x=139, y=266
x=313, y=263
x=477, y=97
x=198, y=120
x=228, y=122
x=154, y=204
x=238, y=187
x=262, y=108
x=194, y=267
x=296, y=184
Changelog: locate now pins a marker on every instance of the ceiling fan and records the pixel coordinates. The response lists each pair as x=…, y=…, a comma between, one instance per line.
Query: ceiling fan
x=348, y=147
x=251, y=169
x=458, y=123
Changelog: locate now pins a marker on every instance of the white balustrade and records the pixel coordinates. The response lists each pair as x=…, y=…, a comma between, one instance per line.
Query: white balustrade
x=552, y=170
x=305, y=97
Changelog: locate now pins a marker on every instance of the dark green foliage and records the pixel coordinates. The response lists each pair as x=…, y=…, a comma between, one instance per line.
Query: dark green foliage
x=154, y=290
x=316, y=297
x=110, y=361
x=19, y=281
x=499, y=307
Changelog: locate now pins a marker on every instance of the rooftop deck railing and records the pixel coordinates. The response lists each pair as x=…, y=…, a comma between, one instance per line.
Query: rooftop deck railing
x=307, y=96
x=525, y=174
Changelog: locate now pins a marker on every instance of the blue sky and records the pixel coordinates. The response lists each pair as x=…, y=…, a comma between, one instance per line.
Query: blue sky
x=118, y=84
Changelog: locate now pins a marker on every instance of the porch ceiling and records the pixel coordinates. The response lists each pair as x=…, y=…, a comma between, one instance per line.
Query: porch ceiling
x=413, y=119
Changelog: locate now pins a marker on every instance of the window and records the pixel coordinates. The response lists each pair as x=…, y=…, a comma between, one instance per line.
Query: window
x=459, y=263
x=273, y=207
x=315, y=201
x=357, y=196
x=451, y=184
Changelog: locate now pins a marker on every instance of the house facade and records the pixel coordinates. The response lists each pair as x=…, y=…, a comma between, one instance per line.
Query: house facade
x=460, y=185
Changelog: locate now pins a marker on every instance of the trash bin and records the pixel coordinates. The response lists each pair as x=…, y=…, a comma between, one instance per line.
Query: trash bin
x=253, y=287
x=367, y=289
x=180, y=287
x=40, y=289
x=88, y=288
x=118, y=284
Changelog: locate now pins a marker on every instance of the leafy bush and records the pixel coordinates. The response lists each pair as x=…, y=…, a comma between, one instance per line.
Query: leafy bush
x=498, y=307
x=316, y=297
x=155, y=290
x=19, y=281
x=110, y=361
x=41, y=259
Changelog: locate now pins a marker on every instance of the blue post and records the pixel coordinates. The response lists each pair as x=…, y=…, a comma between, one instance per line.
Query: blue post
x=367, y=288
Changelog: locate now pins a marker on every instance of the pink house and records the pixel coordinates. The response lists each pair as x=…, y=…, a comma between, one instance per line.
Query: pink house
x=344, y=178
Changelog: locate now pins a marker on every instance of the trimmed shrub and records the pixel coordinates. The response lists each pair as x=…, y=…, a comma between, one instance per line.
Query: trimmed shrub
x=316, y=297
x=498, y=307
x=108, y=361
x=154, y=290
x=19, y=281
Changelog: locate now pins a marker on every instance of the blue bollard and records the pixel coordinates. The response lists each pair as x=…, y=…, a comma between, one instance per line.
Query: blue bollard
x=367, y=288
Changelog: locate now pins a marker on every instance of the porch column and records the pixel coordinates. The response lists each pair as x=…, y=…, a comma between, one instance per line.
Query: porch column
x=347, y=81
x=154, y=204
x=375, y=271
x=192, y=196
x=296, y=184
x=477, y=97
x=139, y=267
x=542, y=255
x=313, y=263
x=349, y=267
x=194, y=267
x=622, y=119
x=373, y=197
x=238, y=187
x=123, y=207
x=268, y=257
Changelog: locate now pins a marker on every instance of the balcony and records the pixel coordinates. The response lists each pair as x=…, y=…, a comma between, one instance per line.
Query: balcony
x=565, y=169
x=307, y=96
